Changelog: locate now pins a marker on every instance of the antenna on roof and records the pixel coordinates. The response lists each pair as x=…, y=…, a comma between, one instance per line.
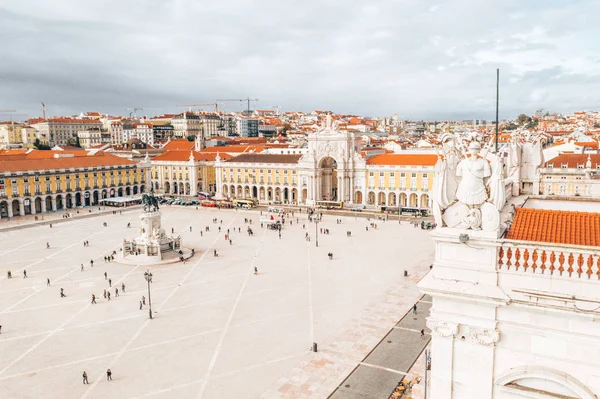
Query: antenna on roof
x=497, y=103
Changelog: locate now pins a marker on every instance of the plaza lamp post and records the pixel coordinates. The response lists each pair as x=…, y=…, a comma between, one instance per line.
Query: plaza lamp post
x=148, y=277
x=317, y=231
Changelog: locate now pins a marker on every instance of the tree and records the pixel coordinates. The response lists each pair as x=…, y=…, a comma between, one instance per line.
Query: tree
x=74, y=142
x=523, y=120
x=37, y=144
x=191, y=138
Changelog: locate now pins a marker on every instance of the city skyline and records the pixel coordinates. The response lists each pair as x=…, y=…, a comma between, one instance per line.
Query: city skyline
x=422, y=61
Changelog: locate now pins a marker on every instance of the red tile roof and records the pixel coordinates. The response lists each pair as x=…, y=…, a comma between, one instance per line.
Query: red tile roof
x=572, y=160
x=266, y=158
x=403, y=159
x=36, y=161
x=184, y=156
x=559, y=227
x=181, y=144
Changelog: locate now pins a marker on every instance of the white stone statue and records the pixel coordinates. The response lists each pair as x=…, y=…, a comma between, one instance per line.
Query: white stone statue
x=496, y=183
x=446, y=181
x=515, y=151
x=473, y=170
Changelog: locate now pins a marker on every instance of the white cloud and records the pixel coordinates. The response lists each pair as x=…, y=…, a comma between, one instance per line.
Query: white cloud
x=419, y=59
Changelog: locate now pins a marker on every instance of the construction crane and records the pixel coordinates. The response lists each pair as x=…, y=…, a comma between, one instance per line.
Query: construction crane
x=276, y=107
x=133, y=111
x=247, y=100
x=43, y=110
x=190, y=106
x=10, y=113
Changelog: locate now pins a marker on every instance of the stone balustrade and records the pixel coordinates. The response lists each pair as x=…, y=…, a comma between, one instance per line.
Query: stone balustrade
x=568, y=261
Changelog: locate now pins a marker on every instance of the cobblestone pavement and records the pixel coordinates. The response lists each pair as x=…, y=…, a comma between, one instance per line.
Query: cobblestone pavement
x=219, y=331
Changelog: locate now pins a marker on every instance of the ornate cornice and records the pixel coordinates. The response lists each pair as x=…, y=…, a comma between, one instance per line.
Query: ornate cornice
x=443, y=328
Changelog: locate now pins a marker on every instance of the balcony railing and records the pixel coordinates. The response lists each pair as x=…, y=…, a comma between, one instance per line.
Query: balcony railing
x=549, y=260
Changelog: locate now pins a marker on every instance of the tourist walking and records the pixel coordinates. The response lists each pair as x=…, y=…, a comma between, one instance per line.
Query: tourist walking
x=108, y=295
x=415, y=309
x=123, y=287
x=82, y=267
x=109, y=282
x=85, y=380
x=93, y=299
x=255, y=271
x=116, y=292
x=104, y=294
x=140, y=305
x=24, y=273
x=143, y=300
x=105, y=275
x=62, y=293
x=92, y=262
x=108, y=375
x=422, y=333
x=47, y=245
x=47, y=282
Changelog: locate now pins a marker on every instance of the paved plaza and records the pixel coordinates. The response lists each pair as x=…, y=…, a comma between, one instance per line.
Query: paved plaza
x=219, y=331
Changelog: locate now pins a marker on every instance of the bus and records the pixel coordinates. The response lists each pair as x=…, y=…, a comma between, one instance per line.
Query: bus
x=245, y=203
x=413, y=211
x=204, y=196
x=391, y=209
x=330, y=204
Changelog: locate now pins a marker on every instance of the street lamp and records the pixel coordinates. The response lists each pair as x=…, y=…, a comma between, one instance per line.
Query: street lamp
x=148, y=277
x=317, y=231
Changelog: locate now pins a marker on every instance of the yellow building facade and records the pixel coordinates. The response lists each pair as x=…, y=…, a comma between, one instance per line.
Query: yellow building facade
x=41, y=181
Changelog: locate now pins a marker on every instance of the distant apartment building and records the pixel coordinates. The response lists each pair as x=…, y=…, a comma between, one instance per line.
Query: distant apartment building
x=116, y=132
x=186, y=124
x=59, y=131
x=247, y=127
x=89, y=138
x=228, y=126
x=162, y=132
x=267, y=130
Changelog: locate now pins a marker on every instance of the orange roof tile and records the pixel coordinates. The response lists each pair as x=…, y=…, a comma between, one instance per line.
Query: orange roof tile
x=35, y=161
x=572, y=160
x=182, y=144
x=404, y=159
x=184, y=156
x=559, y=227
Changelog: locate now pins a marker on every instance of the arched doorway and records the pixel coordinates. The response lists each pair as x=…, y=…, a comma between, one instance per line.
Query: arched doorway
x=59, y=202
x=277, y=194
x=391, y=199
x=135, y=190
x=225, y=190
x=95, y=198
x=269, y=194
x=247, y=192
x=77, y=199
x=120, y=192
x=142, y=188
x=38, y=205
x=402, y=199
x=286, y=195
x=381, y=199
x=167, y=187
x=254, y=192
x=371, y=198
x=424, y=201
x=127, y=191
x=27, y=206
x=3, y=209
x=262, y=194
x=69, y=201
x=358, y=197
x=15, y=208
x=304, y=195
x=294, y=195
x=240, y=192
x=328, y=179
x=413, y=200
x=48, y=204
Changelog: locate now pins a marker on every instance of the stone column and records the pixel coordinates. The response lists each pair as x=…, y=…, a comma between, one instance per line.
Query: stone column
x=21, y=207
x=54, y=203
x=43, y=203
x=442, y=351
x=32, y=206
x=10, y=211
x=193, y=180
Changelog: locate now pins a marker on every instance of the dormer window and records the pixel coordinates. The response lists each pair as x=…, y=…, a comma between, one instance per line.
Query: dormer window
x=564, y=166
x=579, y=166
x=550, y=165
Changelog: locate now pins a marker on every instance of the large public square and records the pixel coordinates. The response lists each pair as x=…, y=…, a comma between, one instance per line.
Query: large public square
x=219, y=330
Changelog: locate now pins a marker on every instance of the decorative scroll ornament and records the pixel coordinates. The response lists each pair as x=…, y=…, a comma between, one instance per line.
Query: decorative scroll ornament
x=484, y=336
x=442, y=328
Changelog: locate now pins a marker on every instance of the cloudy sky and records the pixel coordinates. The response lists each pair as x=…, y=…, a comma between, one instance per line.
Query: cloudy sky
x=422, y=59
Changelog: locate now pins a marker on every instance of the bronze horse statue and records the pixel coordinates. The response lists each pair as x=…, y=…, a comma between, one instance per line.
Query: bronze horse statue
x=150, y=202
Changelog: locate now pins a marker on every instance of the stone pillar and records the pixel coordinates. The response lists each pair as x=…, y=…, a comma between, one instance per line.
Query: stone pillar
x=43, y=203
x=10, y=210
x=54, y=203
x=32, y=206
x=193, y=180
x=21, y=207
x=442, y=351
